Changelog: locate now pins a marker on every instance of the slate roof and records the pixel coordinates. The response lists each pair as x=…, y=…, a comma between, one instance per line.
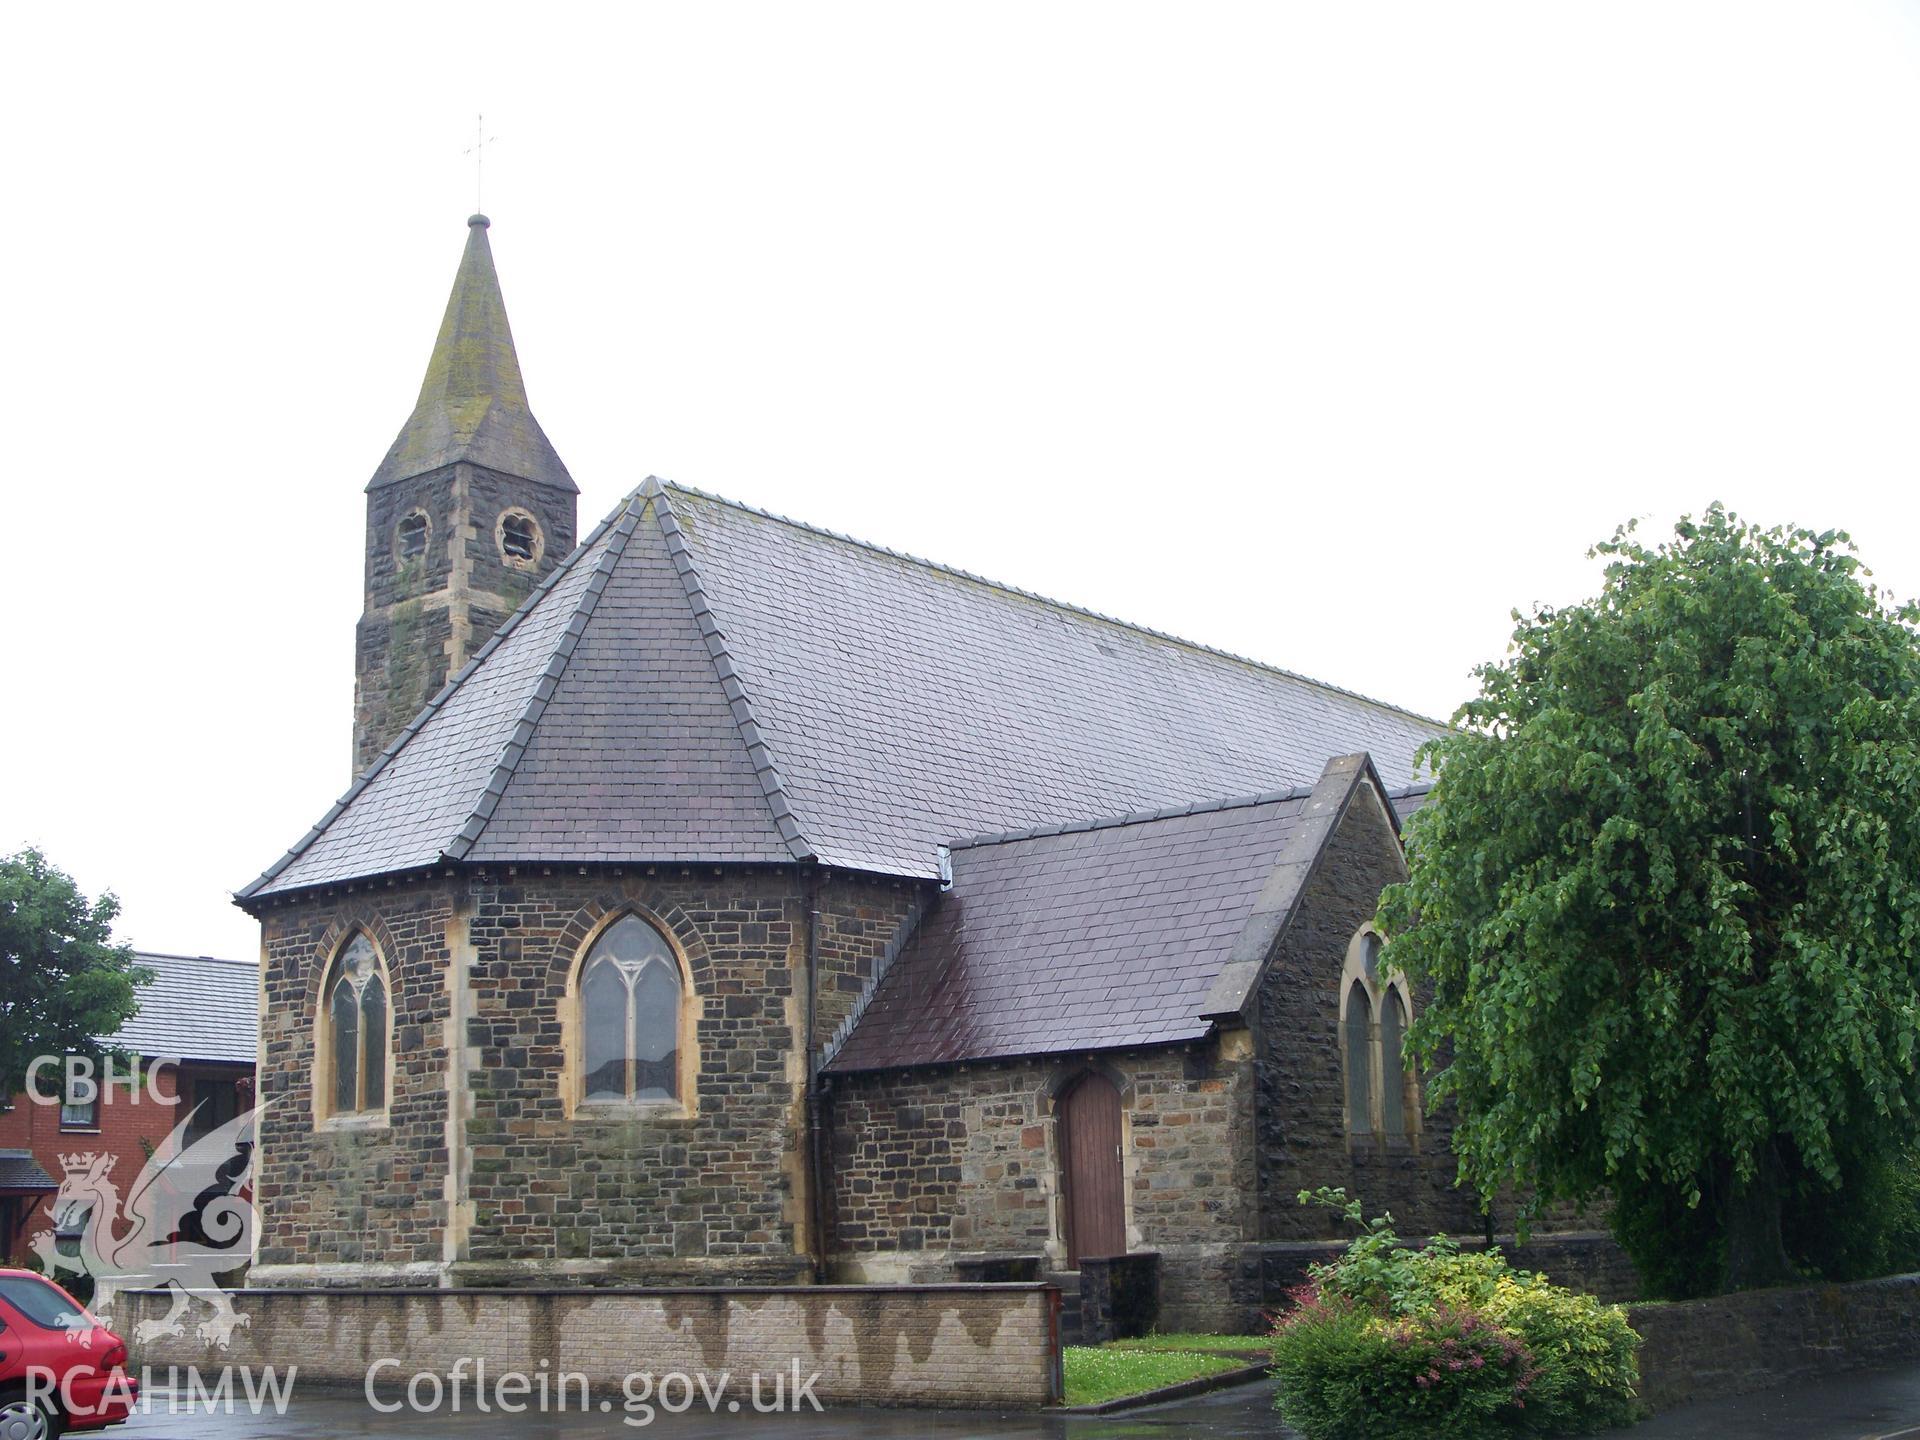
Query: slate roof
x=473, y=402
x=703, y=681
x=1089, y=939
x=197, y=1008
x=1408, y=799
x=21, y=1174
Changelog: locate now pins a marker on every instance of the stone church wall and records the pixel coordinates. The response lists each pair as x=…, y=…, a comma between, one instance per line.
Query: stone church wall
x=1302, y=1119
x=367, y=1203
x=932, y=1166
x=1303, y=1140
x=539, y=1188
x=860, y=920
x=716, y=1192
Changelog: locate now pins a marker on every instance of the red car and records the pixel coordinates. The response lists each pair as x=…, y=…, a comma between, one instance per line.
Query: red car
x=60, y=1369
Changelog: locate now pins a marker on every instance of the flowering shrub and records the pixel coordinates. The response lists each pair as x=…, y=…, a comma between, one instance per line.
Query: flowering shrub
x=1390, y=1341
x=1583, y=1352
x=1346, y=1373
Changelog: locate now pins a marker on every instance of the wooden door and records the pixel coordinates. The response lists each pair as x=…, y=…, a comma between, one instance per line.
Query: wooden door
x=1090, y=1158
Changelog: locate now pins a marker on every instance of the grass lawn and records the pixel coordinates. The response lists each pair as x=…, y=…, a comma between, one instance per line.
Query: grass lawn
x=1257, y=1345
x=1131, y=1367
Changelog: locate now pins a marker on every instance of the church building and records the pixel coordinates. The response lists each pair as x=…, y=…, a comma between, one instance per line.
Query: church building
x=725, y=900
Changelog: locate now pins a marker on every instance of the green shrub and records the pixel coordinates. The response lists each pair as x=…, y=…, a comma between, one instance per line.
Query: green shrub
x=1346, y=1373
x=1582, y=1351
x=1375, y=1345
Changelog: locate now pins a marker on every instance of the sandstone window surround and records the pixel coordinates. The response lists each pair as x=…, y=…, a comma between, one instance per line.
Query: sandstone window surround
x=353, y=1038
x=518, y=535
x=1381, y=1095
x=411, y=535
x=632, y=1040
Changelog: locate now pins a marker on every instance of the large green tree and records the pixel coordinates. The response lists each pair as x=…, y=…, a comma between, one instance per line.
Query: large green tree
x=1666, y=894
x=63, y=980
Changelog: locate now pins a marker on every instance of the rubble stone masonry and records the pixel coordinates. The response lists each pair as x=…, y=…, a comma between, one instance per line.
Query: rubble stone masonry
x=934, y=1165
x=485, y=1170
x=1302, y=1117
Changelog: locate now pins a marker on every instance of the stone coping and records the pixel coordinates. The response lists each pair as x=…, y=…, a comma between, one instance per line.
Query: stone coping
x=950, y=1287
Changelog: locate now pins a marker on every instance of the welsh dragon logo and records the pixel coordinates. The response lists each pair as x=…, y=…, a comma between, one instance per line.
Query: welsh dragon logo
x=183, y=1222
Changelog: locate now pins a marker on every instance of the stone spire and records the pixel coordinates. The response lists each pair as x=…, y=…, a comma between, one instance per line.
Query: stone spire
x=467, y=514
x=473, y=403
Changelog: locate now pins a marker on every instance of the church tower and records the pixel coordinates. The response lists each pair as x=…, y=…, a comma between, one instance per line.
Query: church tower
x=469, y=510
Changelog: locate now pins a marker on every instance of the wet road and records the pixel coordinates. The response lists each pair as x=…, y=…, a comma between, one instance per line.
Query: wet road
x=1876, y=1406
x=322, y=1414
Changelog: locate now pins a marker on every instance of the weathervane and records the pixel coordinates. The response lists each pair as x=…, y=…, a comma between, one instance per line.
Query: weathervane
x=479, y=152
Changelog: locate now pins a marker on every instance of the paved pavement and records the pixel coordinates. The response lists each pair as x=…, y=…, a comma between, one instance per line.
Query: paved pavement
x=1878, y=1406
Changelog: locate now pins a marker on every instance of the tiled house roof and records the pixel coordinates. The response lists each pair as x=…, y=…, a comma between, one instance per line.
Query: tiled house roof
x=21, y=1174
x=197, y=1008
x=702, y=681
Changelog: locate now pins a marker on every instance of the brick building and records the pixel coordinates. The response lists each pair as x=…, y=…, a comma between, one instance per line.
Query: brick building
x=726, y=900
x=198, y=1017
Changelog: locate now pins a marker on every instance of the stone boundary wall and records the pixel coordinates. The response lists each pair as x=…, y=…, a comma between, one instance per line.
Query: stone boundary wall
x=932, y=1345
x=1732, y=1344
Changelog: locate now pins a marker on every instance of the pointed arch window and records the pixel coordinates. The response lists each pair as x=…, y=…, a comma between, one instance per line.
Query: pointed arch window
x=1359, y=1057
x=1381, y=1096
x=355, y=1033
x=1393, y=1064
x=631, y=1002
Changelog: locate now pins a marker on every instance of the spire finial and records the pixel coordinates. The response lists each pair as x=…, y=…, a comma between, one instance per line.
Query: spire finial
x=479, y=152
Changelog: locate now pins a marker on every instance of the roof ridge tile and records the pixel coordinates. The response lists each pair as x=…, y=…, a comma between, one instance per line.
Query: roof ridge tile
x=1134, y=817
x=210, y=959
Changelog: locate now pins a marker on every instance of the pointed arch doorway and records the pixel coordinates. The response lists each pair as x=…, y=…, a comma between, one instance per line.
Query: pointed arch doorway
x=1091, y=1172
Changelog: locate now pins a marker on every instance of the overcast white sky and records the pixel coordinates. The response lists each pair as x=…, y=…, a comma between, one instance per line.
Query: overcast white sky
x=1327, y=334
